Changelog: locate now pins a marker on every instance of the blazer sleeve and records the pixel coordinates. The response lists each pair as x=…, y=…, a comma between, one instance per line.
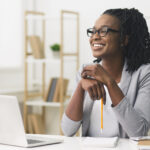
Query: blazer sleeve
x=135, y=120
x=70, y=127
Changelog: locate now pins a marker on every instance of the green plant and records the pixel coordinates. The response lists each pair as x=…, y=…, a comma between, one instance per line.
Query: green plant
x=55, y=47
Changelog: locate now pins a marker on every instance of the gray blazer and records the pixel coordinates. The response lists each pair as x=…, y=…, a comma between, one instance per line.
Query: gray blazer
x=132, y=113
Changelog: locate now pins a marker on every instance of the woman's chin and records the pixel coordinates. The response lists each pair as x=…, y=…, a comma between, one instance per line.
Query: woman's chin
x=96, y=55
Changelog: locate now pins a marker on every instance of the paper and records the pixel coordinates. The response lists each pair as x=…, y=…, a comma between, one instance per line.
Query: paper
x=144, y=144
x=101, y=142
x=140, y=138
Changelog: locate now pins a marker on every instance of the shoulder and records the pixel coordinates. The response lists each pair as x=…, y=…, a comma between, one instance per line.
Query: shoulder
x=143, y=70
x=143, y=73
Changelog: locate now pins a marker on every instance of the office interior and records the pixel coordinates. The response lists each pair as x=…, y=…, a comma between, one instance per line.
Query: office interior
x=16, y=72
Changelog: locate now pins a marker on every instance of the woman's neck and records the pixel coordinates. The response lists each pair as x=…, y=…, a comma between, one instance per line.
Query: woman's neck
x=114, y=67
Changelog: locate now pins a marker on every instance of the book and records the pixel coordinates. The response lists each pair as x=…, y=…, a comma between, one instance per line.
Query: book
x=66, y=82
x=140, y=138
x=56, y=97
x=57, y=90
x=36, y=46
x=51, y=90
x=109, y=142
x=144, y=144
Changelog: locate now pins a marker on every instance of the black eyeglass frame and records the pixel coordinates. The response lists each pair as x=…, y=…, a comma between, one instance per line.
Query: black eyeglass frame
x=99, y=31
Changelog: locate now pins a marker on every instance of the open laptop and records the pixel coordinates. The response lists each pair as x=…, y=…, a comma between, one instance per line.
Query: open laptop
x=11, y=126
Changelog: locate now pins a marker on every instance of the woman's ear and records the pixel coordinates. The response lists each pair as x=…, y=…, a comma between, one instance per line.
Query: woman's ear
x=124, y=41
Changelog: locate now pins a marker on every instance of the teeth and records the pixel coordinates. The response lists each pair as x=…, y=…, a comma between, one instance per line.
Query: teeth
x=98, y=45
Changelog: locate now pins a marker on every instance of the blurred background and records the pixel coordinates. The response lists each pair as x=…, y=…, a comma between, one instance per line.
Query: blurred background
x=42, y=45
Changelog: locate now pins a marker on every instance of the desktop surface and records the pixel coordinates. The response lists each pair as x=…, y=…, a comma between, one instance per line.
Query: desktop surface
x=75, y=143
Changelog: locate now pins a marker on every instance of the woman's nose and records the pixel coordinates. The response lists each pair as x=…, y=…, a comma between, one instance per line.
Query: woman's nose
x=96, y=36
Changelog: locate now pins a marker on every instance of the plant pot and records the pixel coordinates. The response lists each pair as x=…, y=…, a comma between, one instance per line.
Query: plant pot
x=56, y=54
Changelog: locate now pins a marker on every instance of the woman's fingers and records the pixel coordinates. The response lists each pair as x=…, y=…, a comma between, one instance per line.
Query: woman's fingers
x=95, y=93
x=103, y=93
x=95, y=89
x=90, y=91
x=99, y=91
x=87, y=74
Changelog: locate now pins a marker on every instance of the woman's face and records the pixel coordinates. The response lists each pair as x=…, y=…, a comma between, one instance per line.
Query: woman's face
x=110, y=44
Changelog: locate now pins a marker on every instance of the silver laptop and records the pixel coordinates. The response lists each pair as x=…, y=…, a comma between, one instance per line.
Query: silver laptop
x=11, y=126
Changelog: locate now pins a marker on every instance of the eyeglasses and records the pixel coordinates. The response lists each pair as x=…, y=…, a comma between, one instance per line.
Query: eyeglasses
x=101, y=32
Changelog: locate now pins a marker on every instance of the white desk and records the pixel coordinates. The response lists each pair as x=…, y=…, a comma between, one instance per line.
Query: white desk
x=75, y=143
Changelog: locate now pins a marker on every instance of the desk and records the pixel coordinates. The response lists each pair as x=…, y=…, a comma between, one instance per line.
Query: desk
x=74, y=143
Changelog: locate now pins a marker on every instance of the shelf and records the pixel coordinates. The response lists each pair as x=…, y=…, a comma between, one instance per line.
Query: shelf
x=48, y=60
x=46, y=18
x=32, y=60
x=32, y=63
x=40, y=102
x=16, y=90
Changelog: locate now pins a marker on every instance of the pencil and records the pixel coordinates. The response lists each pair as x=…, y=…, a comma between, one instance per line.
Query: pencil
x=101, y=115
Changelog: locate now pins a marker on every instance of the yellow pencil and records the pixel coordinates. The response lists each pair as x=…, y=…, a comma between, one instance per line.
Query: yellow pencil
x=101, y=115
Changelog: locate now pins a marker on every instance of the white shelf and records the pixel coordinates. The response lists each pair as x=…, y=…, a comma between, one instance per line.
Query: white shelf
x=38, y=17
x=48, y=60
x=32, y=60
x=42, y=103
x=31, y=17
x=16, y=90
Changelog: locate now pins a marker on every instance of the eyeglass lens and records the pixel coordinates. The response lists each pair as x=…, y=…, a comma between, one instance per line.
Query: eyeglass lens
x=102, y=32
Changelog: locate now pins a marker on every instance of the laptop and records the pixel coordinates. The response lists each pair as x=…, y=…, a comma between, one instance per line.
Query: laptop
x=12, y=129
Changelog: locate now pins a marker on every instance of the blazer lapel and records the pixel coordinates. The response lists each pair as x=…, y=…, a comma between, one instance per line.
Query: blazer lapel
x=125, y=80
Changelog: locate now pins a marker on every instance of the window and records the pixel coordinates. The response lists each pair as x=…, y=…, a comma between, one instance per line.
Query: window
x=11, y=33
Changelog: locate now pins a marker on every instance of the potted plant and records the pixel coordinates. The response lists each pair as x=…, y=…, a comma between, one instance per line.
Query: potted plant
x=56, y=49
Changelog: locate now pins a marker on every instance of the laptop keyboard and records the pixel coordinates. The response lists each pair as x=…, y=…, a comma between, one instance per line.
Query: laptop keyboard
x=31, y=141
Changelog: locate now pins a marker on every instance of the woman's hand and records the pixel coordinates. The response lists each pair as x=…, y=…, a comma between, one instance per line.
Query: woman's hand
x=95, y=89
x=96, y=72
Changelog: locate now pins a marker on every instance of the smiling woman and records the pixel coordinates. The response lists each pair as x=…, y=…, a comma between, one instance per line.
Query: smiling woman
x=120, y=42
x=11, y=44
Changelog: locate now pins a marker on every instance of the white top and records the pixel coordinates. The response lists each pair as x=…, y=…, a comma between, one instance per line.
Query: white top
x=108, y=124
x=132, y=113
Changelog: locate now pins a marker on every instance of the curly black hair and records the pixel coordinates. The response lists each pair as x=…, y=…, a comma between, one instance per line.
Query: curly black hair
x=133, y=24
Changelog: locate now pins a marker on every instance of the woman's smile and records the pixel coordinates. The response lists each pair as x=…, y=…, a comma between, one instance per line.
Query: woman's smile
x=97, y=46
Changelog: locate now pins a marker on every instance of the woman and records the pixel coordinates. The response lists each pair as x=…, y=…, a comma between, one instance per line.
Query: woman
x=120, y=42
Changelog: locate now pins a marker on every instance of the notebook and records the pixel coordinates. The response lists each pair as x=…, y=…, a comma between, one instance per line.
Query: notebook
x=140, y=138
x=11, y=126
x=143, y=142
x=101, y=142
